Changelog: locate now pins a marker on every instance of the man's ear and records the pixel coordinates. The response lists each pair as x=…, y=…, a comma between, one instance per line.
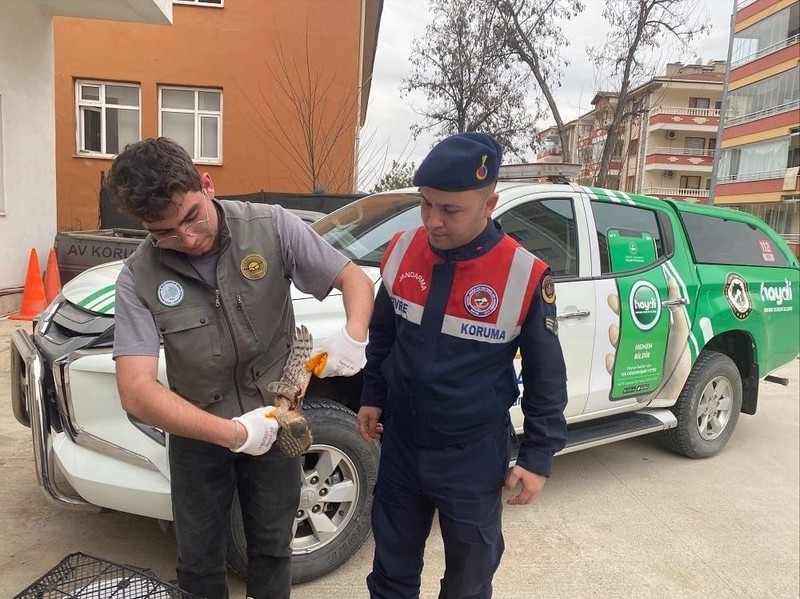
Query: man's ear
x=208, y=184
x=491, y=203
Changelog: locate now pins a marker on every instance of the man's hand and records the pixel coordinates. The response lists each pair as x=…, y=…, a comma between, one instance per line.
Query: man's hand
x=343, y=356
x=368, y=424
x=261, y=428
x=532, y=485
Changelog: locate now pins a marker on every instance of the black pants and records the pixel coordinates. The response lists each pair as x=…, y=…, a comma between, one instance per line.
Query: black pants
x=464, y=483
x=203, y=480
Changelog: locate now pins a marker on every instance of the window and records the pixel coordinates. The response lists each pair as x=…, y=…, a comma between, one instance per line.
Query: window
x=694, y=145
x=762, y=160
x=690, y=182
x=108, y=116
x=627, y=224
x=218, y=3
x=766, y=36
x=721, y=241
x=193, y=118
x=774, y=94
x=699, y=102
x=546, y=228
x=2, y=187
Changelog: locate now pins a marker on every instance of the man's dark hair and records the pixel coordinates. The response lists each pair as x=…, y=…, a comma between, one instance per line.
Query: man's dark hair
x=146, y=174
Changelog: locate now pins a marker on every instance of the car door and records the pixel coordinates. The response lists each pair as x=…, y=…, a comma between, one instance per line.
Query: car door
x=633, y=245
x=553, y=227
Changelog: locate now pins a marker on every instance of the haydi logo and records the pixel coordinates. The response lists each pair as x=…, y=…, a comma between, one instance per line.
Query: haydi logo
x=777, y=294
x=645, y=304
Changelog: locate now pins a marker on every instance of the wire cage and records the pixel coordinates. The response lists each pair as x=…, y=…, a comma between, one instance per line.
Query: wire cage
x=81, y=576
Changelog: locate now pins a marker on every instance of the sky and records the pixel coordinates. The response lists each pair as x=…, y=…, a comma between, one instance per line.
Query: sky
x=386, y=135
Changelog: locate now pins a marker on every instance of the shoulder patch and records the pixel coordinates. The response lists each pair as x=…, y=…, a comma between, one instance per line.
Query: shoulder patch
x=548, y=289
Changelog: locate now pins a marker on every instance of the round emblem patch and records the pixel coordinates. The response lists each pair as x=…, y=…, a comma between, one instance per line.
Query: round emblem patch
x=253, y=267
x=645, y=305
x=170, y=293
x=548, y=289
x=480, y=300
x=738, y=296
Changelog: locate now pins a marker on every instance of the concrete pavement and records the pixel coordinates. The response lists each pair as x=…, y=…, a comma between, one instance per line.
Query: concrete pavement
x=625, y=520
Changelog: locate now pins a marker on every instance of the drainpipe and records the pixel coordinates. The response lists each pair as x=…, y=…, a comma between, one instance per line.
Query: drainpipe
x=720, y=127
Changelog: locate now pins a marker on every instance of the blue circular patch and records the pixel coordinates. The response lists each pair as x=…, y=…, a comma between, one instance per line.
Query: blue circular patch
x=481, y=300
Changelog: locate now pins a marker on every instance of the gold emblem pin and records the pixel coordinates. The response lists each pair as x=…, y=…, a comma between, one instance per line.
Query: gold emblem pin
x=253, y=267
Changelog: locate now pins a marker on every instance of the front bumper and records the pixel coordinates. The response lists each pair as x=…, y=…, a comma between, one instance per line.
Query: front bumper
x=27, y=400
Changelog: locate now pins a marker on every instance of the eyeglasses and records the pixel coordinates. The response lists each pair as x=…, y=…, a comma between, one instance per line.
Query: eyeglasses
x=196, y=228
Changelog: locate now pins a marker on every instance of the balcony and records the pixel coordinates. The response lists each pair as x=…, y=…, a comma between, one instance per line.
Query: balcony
x=683, y=118
x=684, y=159
x=674, y=192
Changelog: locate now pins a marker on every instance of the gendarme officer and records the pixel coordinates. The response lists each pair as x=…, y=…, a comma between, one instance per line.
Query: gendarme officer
x=459, y=298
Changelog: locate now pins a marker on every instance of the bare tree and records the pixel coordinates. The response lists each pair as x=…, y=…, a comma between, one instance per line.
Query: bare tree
x=469, y=81
x=628, y=57
x=299, y=104
x=530, y=30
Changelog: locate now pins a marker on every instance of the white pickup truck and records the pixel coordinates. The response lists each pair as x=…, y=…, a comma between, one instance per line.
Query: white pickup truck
x=669, y=315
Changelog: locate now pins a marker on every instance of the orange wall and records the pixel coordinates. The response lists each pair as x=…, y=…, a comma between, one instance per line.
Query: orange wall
x=227, y=49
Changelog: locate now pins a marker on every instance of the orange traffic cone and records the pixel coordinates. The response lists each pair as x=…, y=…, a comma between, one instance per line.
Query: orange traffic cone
x=34, y=300
x=52, y=279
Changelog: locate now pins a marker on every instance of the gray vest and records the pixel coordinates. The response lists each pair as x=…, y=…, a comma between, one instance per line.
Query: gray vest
x=223, y=345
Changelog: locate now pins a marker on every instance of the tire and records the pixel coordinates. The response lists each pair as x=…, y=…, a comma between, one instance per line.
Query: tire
x=351, y=468
x=708, y=407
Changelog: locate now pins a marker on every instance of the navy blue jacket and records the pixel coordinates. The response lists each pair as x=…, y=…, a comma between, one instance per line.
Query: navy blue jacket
x=446, y=380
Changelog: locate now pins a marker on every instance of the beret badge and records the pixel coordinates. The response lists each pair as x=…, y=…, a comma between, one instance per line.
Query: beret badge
x=482, y=171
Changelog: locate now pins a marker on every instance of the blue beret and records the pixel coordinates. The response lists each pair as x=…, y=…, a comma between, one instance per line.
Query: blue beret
x=461, y=162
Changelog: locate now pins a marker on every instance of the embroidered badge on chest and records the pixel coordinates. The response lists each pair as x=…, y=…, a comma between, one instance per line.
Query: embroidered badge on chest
x=481, y=301
x=170, y=293
x=253, y=267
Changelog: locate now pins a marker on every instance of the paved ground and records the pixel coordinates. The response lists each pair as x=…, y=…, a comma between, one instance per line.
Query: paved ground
x=624, y=520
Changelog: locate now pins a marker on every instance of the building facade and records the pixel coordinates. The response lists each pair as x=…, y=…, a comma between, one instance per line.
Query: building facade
x=760, y=147
x=263, y=95
x=28, y=124
x=667, y=138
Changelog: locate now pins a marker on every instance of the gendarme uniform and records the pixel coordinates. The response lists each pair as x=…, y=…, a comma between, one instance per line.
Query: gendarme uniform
x=445, y=331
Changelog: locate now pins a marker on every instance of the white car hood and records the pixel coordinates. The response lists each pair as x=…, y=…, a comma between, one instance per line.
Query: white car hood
x=93, y=290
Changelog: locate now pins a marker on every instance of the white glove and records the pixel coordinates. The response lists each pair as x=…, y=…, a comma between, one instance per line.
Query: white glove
x=345, y=356
x=261, y=427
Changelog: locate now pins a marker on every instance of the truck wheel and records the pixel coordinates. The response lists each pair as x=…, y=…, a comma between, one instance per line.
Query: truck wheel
x=333, y=518
x=707, y=408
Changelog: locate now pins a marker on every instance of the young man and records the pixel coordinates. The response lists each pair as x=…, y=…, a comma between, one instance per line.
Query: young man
x=211, y=281
x=459, y=298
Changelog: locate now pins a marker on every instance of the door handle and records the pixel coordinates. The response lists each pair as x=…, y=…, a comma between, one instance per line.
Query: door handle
x=572, y=315
x=681, y=301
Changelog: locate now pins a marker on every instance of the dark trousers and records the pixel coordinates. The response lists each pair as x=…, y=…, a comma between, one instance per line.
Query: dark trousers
x=464, y=483
x=203, y=480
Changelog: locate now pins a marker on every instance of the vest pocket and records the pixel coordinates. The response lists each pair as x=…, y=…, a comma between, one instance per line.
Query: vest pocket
x=188, y=336
x=199, y=395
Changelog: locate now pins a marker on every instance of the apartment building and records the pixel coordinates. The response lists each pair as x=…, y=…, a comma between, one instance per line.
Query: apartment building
x=667, y=139
x=263, y=95
x=760, y=146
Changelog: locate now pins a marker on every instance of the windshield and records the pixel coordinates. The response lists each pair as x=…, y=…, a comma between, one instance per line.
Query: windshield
x=362, y=230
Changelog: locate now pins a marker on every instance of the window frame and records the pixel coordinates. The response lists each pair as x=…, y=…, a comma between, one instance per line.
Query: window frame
x=81, y=105
x=206, y=3
x=665, y=238
x=516, y=210
x=197, y=123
